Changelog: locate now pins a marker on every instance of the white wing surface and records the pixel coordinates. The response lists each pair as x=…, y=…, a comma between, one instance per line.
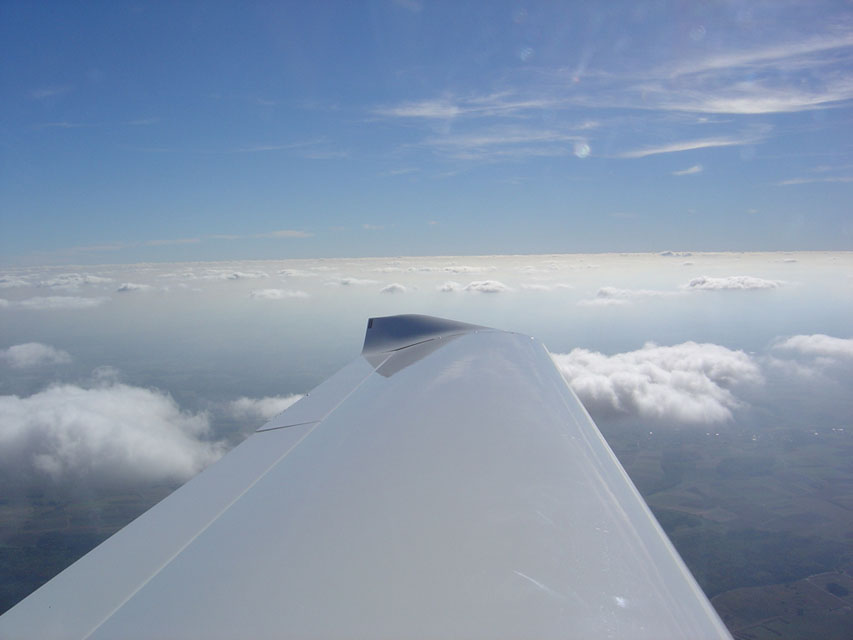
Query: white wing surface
x=445, y=484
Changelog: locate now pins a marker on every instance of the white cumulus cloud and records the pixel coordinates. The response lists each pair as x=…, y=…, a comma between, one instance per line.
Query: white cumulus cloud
x=101, y=436
x=243, y=275
x=33, y=354
x=449, y=287
x=487, y=286
x=394, y=287
x=127, y=287
x=818, y=345
x=689, y=383
x=297, y=273
x=732, y=282
x=265, y=408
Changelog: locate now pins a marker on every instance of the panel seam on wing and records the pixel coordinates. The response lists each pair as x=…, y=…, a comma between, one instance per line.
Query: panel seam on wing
x=286, y=426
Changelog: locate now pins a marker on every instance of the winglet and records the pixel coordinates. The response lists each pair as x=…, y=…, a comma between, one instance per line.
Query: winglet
x=390, y=333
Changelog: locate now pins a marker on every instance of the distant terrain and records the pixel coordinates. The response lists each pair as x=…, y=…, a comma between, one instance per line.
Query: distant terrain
x=41, y=533
x=764, y=521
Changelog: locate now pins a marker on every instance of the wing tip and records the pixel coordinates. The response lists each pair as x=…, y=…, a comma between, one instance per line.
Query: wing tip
x=389, y=333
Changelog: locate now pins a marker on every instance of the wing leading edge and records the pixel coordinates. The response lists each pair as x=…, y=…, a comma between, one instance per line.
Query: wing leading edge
x=446, y=483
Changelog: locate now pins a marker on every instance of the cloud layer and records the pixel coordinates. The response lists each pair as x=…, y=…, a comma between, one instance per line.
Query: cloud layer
x=608, y=296
x=277, y=294
x=732, y=282
x=56, y=303
x=128, y=287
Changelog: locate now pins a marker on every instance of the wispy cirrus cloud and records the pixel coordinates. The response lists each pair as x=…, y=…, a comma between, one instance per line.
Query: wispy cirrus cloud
x=689, y=145
x=689, y=171
x=791, y=55
x=286, y=233
x=279, y=146
x=766, y=77
x=326, y=154
x=772, y=77
x=500, y=137
x=503, y=103
x=172, y=241
x=96, y=248
x=754, y=97
x=503, y=143
x=281, y=233
x=42, y=93
x=62, y=124
x=402, y=171
x=814, y=179
x=317, y=149
x=412, y=5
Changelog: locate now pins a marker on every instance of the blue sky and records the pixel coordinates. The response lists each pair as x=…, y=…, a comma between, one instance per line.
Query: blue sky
x=198, y=131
